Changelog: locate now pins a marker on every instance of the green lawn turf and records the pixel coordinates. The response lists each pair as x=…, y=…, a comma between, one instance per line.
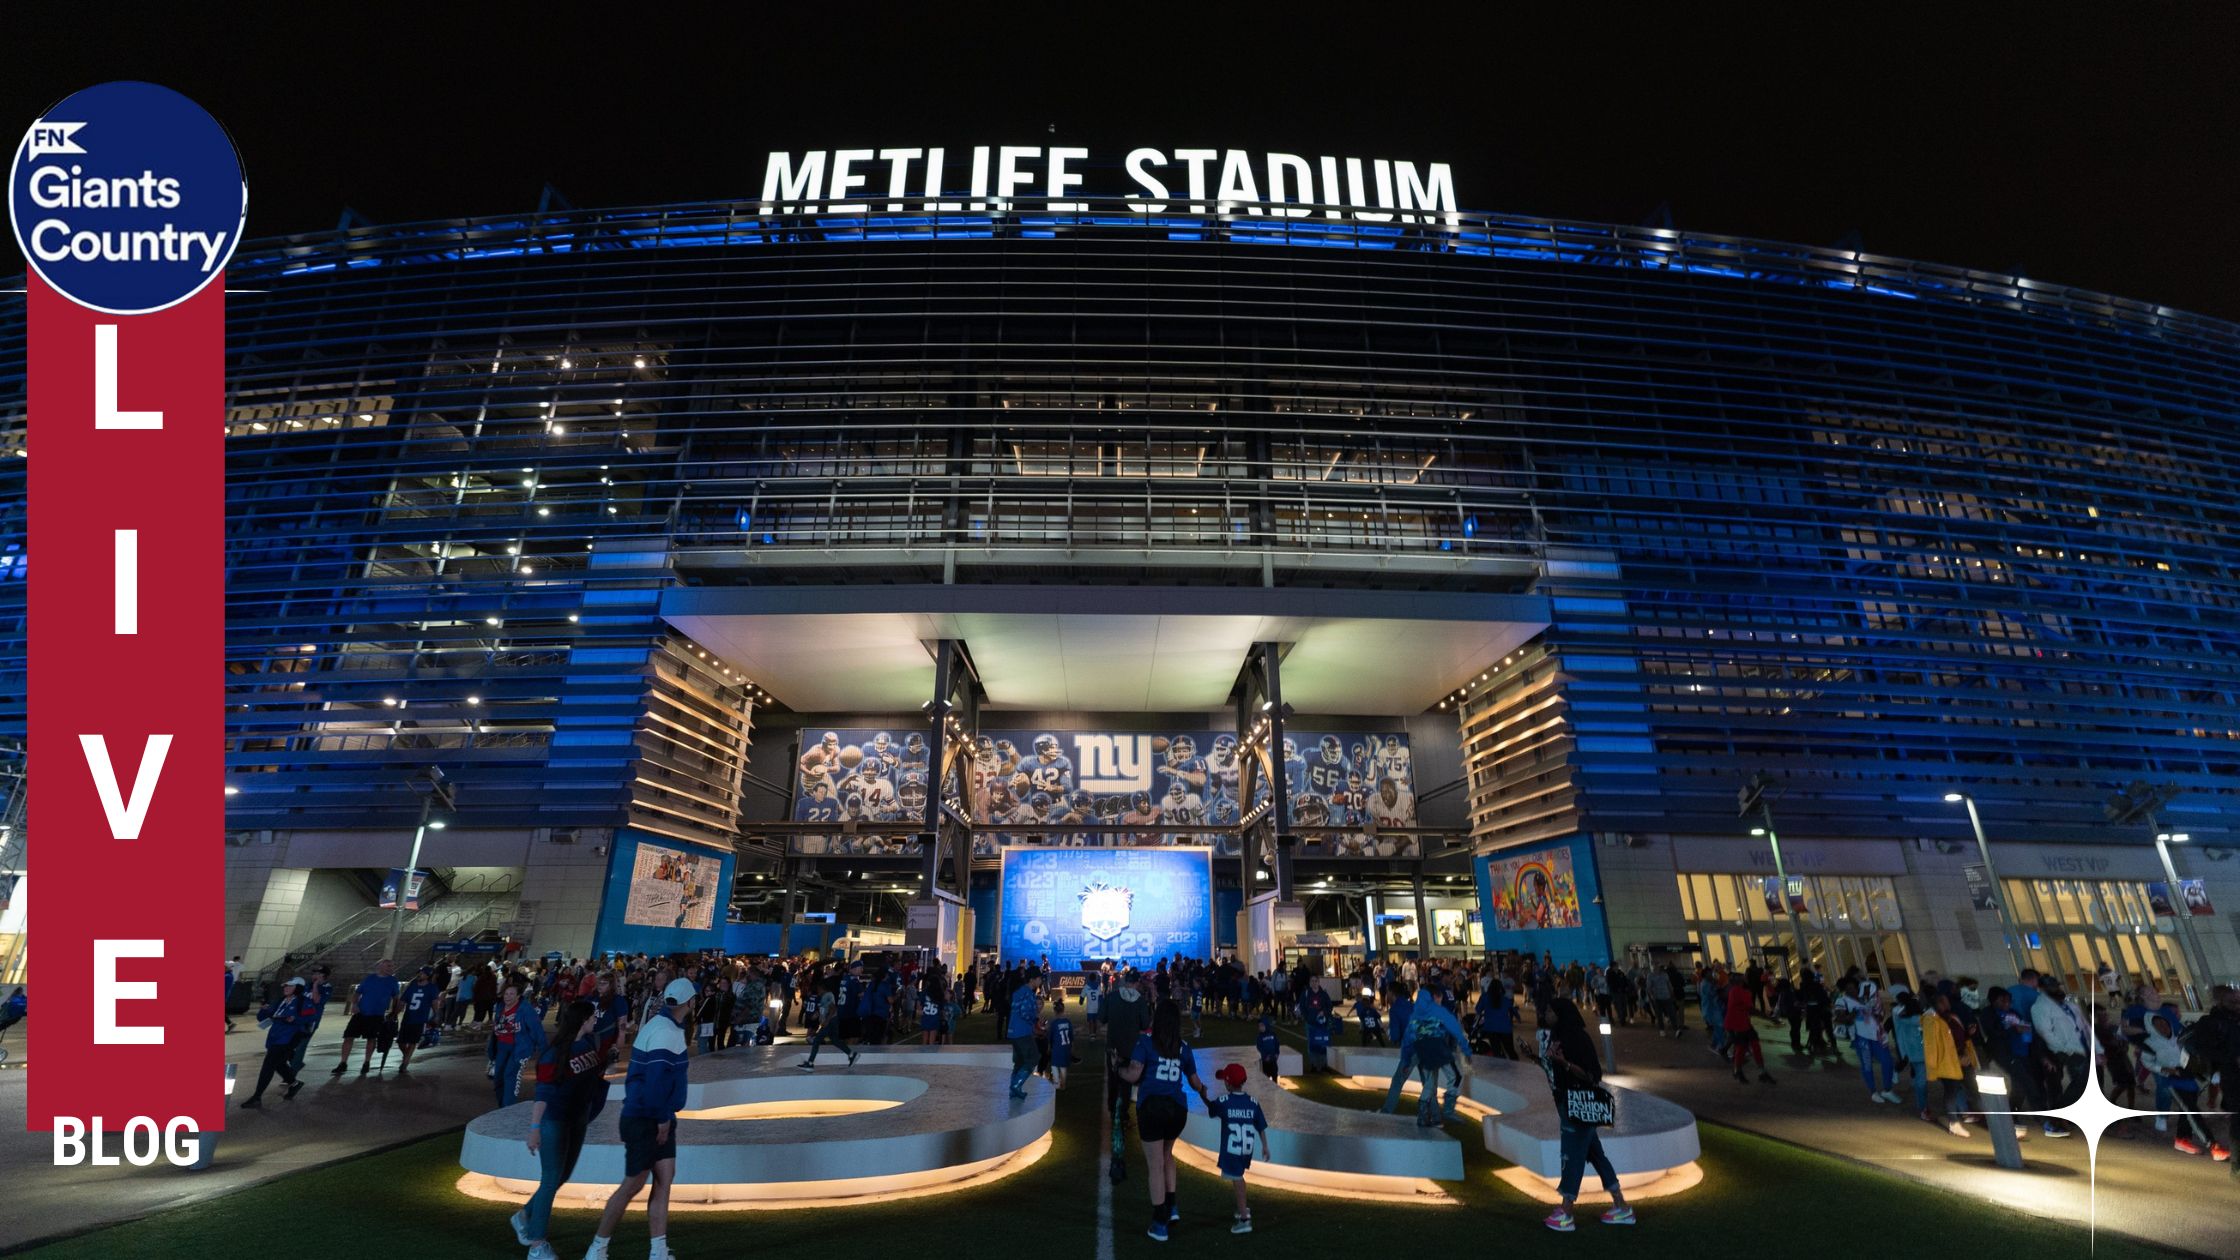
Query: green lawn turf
x=1755, y=1194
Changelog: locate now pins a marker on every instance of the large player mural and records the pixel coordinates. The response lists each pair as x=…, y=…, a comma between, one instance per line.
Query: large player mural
x=1363, y=782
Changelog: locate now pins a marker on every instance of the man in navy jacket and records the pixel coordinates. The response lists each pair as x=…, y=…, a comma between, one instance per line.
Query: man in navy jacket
x=652, y=1094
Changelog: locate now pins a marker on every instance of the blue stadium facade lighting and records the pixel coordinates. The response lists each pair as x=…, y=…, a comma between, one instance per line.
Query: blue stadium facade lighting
x=1885, y=529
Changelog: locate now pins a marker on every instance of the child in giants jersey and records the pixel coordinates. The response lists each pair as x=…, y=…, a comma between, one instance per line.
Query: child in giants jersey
x=1269, y=1046
x=1244, y=1129
x=1061, y=1042
x=1318, y=1042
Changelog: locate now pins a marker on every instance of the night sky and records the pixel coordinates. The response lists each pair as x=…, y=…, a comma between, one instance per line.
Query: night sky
x=2095, y=153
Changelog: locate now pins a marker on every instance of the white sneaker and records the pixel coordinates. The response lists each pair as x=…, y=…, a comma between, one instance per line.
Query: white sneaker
x=1956, y=1129
x=543, y=1251
x=520, y=1222
x=660, y=1250
x=598, y=1249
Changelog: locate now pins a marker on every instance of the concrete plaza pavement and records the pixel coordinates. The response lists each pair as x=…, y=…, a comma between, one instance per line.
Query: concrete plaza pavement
x=331, y=1118
x=2146, y=1189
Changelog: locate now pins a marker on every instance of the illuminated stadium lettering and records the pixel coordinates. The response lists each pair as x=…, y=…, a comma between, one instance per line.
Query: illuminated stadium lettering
x=1225, y=181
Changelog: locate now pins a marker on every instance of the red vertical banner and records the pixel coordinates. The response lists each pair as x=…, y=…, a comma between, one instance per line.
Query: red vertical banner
x=127, y=651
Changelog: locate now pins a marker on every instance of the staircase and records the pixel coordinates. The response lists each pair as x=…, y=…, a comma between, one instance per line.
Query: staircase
x=447, y=912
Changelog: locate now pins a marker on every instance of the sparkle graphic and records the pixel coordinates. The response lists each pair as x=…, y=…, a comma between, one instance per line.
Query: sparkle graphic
x=2091, y=1115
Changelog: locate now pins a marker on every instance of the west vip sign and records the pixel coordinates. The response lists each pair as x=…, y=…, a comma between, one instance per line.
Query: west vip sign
x=127, y=200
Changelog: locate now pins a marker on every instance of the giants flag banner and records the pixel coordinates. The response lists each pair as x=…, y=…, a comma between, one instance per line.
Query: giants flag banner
x=127, y=200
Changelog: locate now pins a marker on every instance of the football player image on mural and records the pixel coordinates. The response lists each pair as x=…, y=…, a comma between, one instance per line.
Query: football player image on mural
x=1352, y=794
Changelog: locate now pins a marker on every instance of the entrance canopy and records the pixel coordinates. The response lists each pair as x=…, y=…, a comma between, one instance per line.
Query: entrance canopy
x=1113, y=649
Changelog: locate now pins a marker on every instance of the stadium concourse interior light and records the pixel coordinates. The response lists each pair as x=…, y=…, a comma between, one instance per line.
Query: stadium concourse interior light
x=231, y=790
x=1757, y=831
x=2173, y=837
x=437, y=824
x=1954, y=798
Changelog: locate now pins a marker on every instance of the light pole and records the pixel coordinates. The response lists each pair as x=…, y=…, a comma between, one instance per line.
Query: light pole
x=2183, y=913
x=2140, y=802
x=433, y=787
x=1756, y=795
x=1991, y=877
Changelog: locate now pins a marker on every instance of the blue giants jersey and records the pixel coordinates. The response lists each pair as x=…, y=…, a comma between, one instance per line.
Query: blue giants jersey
x=1269, y=1045
x=1162, y=1076
x=1242, y=1130
x=1054, y=776
x=420, y=1002
x=810, y=809
x=1061, y=1042
x=1327, y=778
x=1183, y=770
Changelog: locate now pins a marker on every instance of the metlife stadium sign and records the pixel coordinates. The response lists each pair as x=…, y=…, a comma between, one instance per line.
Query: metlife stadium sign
x=1159, y=181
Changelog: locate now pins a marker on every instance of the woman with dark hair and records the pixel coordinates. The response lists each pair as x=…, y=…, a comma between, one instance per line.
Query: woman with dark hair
x=1161, y=1063
x=1568, y=1056
x=571, y=1088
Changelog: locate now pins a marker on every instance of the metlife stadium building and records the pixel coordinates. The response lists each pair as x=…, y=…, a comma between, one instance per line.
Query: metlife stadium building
x=1539, y=543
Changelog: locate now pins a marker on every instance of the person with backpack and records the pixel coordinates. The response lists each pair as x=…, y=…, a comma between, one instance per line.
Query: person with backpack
x=1433, y=1038
x=1574, y=1071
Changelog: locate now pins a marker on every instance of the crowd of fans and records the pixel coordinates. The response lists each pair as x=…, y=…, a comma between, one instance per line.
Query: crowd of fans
x=1437, y=1013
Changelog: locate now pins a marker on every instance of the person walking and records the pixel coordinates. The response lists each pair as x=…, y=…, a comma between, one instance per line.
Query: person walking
x=284, y=1023
x=828, y=1027
x=1741, y=1033
x=652, y=1094
x=2215, y=1038
x=1404, y=999
x=2060, y=1030
x=1861, y=1002
x=571, y=1091
x=371, y=1003
x=1433, y=1037
x=416, y=1006
x=1019, y=1030
x=516, y=1040
x=233, y=977
x=1160, y=1064
x=316, y=994
x=1947, y=1055
x=1126, y=1016
x=1574, y=1072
